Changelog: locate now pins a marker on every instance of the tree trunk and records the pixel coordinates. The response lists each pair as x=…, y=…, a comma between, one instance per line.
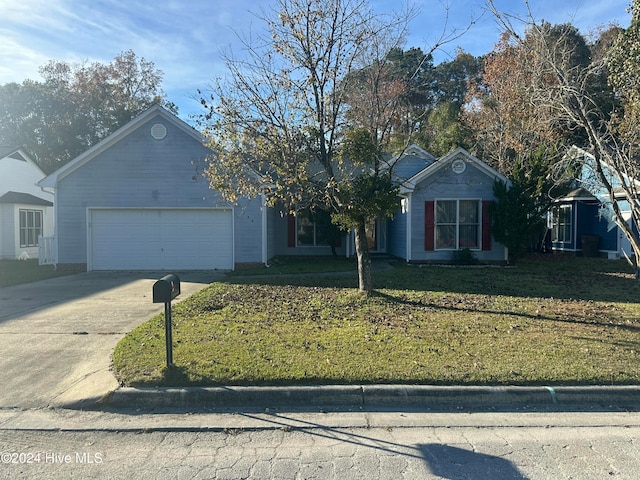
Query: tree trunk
x=634, y=260
x=364, y=259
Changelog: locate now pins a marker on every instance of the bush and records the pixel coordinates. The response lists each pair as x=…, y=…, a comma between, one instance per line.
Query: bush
x=464, y=257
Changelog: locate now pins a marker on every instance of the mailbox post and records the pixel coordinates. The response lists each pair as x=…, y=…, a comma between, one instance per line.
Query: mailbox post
x=165, y=290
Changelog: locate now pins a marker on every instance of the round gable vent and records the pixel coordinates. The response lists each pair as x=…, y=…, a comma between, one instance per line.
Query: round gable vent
x=158, y=131
x=458, y=166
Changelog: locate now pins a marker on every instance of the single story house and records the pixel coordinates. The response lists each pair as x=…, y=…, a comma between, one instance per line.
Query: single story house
x=138, y=200
x=26, y=211
x=443, y=207
x=582, y=221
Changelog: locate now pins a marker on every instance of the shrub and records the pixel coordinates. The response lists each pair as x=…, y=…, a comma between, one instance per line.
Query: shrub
x=464, y=257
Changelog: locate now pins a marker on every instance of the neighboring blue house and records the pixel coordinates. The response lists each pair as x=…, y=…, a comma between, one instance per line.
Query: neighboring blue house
x=138, y=201
x=583, y=221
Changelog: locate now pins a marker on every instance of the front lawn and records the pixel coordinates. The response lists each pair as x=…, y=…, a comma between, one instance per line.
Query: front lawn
x=14, y=272
x=300, y=265
x=550, y=320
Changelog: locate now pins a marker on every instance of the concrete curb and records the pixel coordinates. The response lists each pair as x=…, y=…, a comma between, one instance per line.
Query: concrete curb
x=374, y=396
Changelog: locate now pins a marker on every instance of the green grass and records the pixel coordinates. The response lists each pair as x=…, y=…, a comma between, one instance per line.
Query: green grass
x=300, y=265
x=549, y=320
x=15, y=272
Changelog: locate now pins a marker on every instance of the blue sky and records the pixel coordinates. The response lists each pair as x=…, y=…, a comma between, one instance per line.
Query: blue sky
x=184, y=38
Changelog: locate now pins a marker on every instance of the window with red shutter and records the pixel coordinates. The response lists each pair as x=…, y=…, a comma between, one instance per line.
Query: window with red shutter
x=429, y=225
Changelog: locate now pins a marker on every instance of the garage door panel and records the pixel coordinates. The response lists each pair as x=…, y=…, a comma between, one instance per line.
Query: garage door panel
x=125, y=243
x=161, y=239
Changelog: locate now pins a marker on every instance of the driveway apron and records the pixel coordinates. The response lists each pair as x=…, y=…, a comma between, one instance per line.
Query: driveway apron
x=57, y=335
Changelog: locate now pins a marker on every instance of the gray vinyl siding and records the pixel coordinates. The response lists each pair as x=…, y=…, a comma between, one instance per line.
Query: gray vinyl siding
x=248, y=231
x=272, y=216
x=141, y=172
x=397, y=235
x=444, y=184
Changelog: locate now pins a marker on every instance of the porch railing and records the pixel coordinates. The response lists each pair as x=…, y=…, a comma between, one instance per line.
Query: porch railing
x=47, y=251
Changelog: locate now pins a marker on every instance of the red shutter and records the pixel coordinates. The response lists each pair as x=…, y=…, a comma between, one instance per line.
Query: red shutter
x=291, y=230
x=429, y=225
x=486, y=225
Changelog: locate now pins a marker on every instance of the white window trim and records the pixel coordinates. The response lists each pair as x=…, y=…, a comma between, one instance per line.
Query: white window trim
x=478, y=246
x=26, y=228
x=554, y=230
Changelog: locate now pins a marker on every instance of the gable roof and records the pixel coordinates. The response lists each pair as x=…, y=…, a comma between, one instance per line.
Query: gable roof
x=18, y=154
x=412, y=150
x=25, y=199
x=590, y=181
x=446, y=161
x=155, y=111
x=7, y=150
x=578, y=194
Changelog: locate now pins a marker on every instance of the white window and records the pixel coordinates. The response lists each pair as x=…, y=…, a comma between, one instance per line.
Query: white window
x=561, y=224
x=457, y=224
x=30, y=227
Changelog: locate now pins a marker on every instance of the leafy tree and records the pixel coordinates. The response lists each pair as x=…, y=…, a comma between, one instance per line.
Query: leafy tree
x=445, y=130
x=452, y=79
x=414, y=70
x=432, y=99
x=518, y=212
x=624, y=67
x=76, y=106
x=499, y=112
x=304, y=118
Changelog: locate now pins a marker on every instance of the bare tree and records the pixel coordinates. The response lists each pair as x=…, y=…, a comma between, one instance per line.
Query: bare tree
x=572, y=93
x=304, y=116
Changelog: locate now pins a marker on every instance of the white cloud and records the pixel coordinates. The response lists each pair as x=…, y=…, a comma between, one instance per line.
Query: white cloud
x=184, y=39
x=17, y=57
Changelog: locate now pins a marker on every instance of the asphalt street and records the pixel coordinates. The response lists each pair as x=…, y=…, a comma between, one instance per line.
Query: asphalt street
x=347, y=445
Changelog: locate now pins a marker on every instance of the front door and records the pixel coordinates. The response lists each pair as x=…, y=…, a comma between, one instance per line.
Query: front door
x=376, y=237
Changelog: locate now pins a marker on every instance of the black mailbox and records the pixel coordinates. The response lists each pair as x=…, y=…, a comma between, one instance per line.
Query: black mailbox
x=166, y=289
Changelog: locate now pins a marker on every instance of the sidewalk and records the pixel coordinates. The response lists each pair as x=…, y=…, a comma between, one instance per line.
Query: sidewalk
x=56, y=420
x=235, y=409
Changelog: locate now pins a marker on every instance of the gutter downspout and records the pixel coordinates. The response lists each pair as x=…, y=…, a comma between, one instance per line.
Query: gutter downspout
x=265, y=236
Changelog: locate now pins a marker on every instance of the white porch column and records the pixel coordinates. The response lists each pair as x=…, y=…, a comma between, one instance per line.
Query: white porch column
x=406, y=210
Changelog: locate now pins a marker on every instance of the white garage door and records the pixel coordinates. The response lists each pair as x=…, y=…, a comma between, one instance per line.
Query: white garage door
x=167, y=239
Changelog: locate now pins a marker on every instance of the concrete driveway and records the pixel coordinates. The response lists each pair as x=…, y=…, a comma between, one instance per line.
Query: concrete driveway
x=57, y=335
